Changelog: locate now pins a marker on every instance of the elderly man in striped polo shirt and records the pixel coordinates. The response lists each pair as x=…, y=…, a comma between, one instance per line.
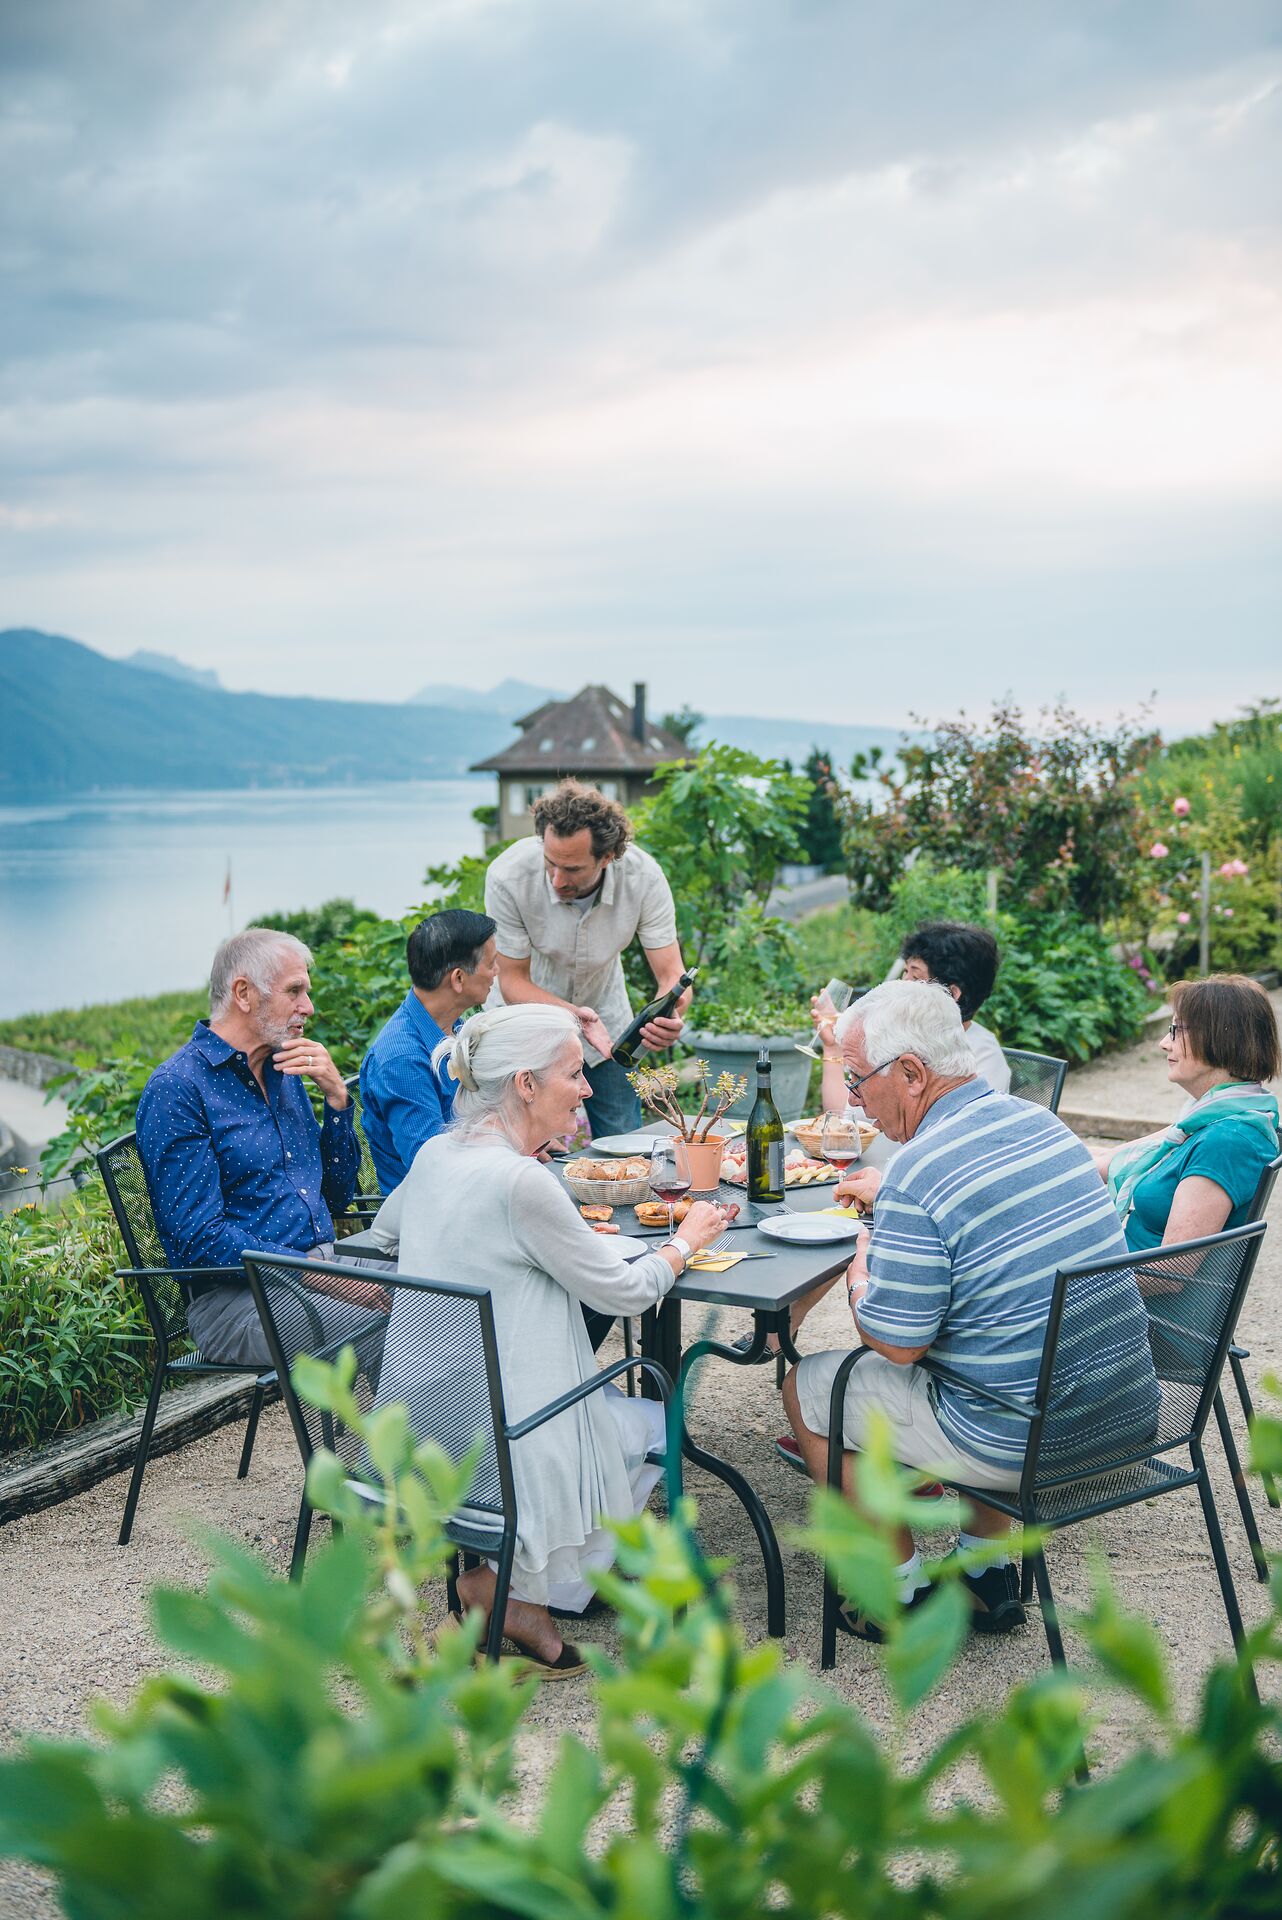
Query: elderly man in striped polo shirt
x=976, y=1213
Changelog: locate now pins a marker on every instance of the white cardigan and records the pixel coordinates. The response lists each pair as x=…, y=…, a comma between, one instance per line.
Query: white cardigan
x=482, y=1214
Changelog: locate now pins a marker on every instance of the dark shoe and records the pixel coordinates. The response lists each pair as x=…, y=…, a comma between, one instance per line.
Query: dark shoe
x=861, y=1626
x=596, y=1605
x=787, y=1449
x=744, y=1345
x=568, y=1663
x=994, y=1598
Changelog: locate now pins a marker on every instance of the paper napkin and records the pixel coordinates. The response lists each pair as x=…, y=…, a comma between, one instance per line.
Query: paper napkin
x=714, y=1262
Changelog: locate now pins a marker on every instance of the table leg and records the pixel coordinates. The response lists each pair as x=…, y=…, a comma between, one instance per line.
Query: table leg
x=742, y=1489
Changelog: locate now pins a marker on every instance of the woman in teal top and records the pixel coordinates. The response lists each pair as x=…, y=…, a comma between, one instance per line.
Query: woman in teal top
x=1199, y=1176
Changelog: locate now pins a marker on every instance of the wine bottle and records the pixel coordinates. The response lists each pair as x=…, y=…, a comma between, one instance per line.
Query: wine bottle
x=765, y=1140
x=629, y=1043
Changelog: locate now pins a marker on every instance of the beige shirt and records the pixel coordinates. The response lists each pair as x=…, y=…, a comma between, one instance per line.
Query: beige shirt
x=574, y=951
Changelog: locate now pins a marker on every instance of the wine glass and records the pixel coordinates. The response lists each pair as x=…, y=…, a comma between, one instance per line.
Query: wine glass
x=838, y=994
x=669, y=1173
x=840, y=1142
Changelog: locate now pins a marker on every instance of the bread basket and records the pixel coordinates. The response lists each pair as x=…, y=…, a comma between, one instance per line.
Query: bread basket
x=809, y=1136
x=606, y=1193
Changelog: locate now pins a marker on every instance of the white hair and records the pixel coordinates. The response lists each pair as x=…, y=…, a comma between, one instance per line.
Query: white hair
x=488, y=1052
x=258, y=955
x=911, y=1016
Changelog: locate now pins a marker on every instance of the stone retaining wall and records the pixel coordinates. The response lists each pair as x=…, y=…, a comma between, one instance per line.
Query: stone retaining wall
x=31, y=1069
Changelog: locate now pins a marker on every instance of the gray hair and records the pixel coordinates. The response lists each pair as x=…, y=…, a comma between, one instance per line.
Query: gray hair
x=258, y=955
x=911, y=1016
x=488, y=1052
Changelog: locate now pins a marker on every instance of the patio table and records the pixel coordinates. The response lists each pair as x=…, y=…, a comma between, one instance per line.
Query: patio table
x=766, y=1289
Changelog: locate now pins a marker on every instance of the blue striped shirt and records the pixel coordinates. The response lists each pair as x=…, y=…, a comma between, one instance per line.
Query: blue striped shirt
x=975, y=1215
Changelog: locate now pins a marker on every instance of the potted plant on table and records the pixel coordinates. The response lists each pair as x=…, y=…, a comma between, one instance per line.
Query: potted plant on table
x=659, y=1090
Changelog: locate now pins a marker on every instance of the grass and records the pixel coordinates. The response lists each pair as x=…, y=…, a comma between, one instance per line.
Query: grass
x=86, y=1035
x=840, y=943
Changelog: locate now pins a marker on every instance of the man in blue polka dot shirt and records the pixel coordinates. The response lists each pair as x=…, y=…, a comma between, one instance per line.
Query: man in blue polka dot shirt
x=234, y=1158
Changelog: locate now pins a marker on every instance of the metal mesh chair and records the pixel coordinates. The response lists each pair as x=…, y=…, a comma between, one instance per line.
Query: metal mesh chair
x=1036, y=1077
x=445, y=1368
x=165, y=1300
x=367, y=1199
x=1256, y=1210
x=1192, y=1294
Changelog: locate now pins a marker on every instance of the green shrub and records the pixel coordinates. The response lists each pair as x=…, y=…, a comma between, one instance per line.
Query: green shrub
x=85, y=1036
x=74, y=1340
x=1061, y=988
x=316, y=926
x=341, y=1767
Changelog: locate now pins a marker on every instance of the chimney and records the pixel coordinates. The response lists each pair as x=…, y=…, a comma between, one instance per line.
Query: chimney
x=638, y=711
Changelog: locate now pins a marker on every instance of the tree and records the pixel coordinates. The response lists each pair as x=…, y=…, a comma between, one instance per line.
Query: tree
x=1055, y=810
x=821, y=834
x=685, y=724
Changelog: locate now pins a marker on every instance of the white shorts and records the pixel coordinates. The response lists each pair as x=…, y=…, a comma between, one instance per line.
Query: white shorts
x=903, y=1395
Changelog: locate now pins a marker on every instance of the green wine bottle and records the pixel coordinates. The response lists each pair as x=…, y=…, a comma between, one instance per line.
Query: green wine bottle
x=765, y=1140
x=629, y=1043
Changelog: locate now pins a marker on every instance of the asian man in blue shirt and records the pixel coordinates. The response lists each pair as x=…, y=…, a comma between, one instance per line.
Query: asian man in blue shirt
x=452, y=965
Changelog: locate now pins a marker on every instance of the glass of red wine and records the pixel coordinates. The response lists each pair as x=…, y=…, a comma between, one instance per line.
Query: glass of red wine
x=840, y=1142
x=669, y=1173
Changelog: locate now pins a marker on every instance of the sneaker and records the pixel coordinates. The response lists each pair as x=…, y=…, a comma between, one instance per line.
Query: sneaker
x=994, y=1599
x=744, y=1345
x=861, y=1626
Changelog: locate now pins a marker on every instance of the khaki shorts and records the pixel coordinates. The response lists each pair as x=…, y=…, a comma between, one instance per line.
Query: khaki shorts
x=903, y=1395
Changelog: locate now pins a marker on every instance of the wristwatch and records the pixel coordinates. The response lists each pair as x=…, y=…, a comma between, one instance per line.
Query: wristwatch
x=683, y=1247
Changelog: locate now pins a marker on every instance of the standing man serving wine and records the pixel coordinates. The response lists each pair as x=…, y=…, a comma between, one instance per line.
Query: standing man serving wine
x=566, y=904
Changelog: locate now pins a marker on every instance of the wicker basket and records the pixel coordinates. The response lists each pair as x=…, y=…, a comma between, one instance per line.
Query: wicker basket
x=810, y=1138
x=607, y=1193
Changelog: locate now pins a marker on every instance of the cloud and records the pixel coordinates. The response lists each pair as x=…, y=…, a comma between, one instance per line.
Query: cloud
x=572, y=325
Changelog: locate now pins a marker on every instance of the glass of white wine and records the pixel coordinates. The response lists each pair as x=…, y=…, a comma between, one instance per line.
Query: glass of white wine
x=834, y=1000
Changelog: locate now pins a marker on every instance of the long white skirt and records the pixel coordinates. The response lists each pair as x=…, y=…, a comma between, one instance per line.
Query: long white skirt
x=640, y=1428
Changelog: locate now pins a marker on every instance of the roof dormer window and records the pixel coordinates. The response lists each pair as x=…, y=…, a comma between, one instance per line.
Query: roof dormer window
x=546, y=746
x=588, y=744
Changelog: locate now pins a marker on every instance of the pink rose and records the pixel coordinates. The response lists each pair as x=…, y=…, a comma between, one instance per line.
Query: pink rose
x=1183, y=919
x=1180, y=806
x=1157, y=851
x=1228, y=913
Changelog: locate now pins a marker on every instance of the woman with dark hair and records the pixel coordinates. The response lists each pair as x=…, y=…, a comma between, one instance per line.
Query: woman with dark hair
x=1199, y=1175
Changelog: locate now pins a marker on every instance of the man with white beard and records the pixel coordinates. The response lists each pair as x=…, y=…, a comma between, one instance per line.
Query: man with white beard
x=234, y=1157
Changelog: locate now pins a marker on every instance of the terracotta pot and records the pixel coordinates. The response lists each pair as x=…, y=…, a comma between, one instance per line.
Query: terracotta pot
x=705, y=1162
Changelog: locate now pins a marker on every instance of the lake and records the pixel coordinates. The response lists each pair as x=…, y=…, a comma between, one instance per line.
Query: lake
x=110, y=895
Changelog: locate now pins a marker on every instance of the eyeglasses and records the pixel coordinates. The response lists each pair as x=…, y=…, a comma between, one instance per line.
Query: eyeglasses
x=1176, y=1026
x=855, y=1080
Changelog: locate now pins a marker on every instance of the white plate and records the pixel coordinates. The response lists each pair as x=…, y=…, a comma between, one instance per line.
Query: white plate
x=808, y=1229
x=628, y=1245
x=621, y=1143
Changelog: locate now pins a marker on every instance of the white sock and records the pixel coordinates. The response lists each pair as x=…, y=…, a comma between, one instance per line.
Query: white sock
x=911, y=1577
x=967, y=1540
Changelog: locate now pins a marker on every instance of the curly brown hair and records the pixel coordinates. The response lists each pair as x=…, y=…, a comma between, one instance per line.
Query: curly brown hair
x=571, y=806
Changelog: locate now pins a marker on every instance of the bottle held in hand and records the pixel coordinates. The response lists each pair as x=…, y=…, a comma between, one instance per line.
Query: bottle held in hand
x=629, y=1043
x=765, y=1140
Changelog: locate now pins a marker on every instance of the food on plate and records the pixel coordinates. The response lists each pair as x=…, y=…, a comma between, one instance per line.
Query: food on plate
x=603, y=1226
x=596, y=1213
x=798, y=1169
x=654, y=1213
x=612, y=1170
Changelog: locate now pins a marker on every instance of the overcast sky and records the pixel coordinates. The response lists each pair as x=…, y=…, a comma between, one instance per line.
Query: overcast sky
x=838, y=357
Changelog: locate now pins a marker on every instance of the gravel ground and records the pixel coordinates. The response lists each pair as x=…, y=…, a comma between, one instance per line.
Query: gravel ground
x=77, y=1601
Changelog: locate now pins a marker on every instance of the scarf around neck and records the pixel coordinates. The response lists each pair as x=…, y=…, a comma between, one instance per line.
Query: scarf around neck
x=1239, y=1100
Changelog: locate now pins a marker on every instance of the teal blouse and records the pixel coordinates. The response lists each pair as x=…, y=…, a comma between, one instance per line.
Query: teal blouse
x=1232, y=1153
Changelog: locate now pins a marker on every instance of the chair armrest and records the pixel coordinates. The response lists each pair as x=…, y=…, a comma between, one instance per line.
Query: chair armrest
x=660, y=1376
x=1025, y=1409
x=173, y=1273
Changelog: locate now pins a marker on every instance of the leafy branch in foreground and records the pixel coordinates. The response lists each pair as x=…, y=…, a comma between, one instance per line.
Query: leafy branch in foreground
x=344, y=1764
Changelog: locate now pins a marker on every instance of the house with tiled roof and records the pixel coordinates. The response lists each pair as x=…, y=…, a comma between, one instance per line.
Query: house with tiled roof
x=595, y=737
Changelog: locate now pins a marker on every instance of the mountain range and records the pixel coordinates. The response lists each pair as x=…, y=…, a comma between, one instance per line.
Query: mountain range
x=74, y=721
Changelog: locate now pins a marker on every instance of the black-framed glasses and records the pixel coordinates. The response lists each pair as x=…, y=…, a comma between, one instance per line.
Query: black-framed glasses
x=1176, y=1026
x=855, y=1080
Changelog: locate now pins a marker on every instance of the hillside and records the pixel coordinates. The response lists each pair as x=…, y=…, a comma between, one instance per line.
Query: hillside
x=72, y=720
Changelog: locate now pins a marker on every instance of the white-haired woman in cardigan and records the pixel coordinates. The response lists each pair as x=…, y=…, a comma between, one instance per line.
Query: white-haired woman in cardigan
x=478, y=1207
